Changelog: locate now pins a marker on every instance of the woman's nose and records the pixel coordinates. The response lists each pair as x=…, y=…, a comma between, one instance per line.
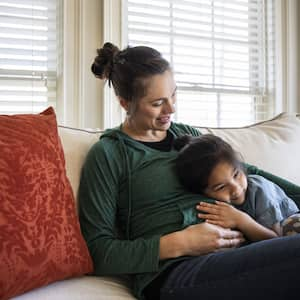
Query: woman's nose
x=170, y=106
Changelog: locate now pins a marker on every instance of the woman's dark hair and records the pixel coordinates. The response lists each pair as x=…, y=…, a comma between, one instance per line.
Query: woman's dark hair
x=129, y=69
x=198, y=156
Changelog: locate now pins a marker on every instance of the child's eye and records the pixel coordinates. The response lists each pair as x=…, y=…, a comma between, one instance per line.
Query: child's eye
x=219, y=188
x=236, y=174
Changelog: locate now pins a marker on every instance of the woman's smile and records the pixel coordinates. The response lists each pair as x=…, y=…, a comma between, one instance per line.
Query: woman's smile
x=164, y=119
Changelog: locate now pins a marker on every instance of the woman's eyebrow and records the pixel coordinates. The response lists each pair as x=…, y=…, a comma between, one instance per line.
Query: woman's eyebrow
x=164, y=98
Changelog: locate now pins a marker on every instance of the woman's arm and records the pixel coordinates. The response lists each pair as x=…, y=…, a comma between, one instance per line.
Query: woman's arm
x=98, y=196
x=227, y=216
x=197, y=240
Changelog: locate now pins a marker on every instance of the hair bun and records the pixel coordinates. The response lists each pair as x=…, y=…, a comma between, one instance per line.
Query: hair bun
x=103, y=63
x=182, y=141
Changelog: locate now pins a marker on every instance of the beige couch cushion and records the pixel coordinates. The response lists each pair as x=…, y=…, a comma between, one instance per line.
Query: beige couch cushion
x=82, y=288
x=76, y=143
x=273, y=145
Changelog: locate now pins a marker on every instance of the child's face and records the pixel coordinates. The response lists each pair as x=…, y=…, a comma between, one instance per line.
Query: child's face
x=227, y=183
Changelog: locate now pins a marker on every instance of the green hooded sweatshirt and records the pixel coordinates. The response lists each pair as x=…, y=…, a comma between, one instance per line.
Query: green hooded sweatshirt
x=129, y=196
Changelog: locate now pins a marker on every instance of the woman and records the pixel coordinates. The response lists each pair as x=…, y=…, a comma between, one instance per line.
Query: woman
x=130, y=200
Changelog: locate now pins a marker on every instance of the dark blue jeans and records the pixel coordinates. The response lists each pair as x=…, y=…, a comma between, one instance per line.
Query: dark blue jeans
x=267, y=269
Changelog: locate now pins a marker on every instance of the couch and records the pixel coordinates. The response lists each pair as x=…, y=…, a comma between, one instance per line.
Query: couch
x=272, y=145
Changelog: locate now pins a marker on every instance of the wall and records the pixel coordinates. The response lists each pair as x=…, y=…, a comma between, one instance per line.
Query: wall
x=288, y=59
x=80, y=102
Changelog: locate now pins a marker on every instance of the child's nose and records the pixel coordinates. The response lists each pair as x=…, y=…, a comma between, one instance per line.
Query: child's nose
x=235, y=191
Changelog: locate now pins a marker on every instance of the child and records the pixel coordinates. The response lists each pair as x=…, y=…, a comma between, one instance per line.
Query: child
x=252, y=204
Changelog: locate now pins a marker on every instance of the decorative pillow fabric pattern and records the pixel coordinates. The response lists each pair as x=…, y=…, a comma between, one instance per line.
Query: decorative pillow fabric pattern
x=40, y=238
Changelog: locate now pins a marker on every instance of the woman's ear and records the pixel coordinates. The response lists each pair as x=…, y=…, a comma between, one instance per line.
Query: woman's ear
x=124, y=103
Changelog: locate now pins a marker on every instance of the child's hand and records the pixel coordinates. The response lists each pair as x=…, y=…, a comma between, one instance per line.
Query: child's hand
x=220, y=213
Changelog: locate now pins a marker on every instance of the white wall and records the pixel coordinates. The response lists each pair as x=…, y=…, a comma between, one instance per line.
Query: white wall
x=288, y=60
x=112, y=32
x=80, y=100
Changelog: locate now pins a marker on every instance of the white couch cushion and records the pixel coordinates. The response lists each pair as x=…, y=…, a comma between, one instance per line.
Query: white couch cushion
x=76, y=143
x=82, y=288
x=273, y=145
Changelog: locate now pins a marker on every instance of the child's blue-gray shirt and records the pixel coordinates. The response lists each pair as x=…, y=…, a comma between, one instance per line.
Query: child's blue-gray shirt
x=266, y=202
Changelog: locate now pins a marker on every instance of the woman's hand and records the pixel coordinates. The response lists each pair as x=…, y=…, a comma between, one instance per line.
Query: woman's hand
x=220, y=213
x=199, y=239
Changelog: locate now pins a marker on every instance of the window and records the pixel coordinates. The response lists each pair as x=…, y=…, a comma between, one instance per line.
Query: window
x=28, y=55
x=222, y=53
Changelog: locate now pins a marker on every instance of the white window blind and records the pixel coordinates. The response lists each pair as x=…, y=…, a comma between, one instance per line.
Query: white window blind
x=28, y=55
x=222, y=53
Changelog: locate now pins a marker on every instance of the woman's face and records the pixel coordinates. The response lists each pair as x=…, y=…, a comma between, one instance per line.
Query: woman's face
x=154, y=110
x=227, y=183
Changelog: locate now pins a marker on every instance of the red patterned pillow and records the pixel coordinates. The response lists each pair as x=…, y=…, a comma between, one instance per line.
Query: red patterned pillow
x=40, y=237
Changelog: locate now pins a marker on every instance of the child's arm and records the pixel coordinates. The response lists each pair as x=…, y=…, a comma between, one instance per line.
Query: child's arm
x=225, y=215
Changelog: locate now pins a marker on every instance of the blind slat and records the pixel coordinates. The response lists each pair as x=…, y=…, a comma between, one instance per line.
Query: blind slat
x=27, y=22
x=46, y=3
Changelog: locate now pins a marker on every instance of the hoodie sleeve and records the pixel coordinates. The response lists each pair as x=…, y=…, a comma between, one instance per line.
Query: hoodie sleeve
x=98, y=196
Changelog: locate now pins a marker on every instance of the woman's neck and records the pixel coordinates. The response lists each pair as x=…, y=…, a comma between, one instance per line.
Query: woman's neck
x=144, y=135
